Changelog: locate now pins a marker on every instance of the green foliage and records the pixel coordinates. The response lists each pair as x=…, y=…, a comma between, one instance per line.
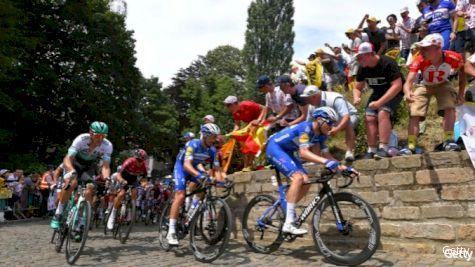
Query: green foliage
x=269, y=40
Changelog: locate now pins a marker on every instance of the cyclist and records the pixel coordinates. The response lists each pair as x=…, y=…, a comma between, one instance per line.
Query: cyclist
x=80, y=162
x=197, y=151
x=132, y=168
x=300, y=137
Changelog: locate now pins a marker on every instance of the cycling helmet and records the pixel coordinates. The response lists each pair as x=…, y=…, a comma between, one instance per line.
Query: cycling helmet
x=99, y=127
x=326, y=113
x=140, y=154
x=210, y=129
x=189, y=135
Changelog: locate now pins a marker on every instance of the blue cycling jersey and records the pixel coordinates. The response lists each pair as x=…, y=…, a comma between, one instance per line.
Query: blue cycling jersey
x=296, y=136
x=439, y=17
x=197, y=153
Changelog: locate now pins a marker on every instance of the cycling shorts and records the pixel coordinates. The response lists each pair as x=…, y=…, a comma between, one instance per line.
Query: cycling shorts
x=284, y=161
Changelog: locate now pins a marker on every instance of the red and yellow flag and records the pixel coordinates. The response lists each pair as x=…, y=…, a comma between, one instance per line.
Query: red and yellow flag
x=252, y=138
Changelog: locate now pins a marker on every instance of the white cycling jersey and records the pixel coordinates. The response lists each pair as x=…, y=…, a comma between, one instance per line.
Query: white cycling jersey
x=80, y=148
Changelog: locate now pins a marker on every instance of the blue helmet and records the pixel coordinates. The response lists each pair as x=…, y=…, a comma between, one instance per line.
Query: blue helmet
x=326, y=113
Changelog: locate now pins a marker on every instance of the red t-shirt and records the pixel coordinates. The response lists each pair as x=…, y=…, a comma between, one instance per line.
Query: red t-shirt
x=435, y=75
x=247, y=112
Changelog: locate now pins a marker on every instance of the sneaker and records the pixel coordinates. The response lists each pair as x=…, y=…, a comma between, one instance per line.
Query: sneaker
x=451, y=146
x=111, y=222
x=291, y=229
x=368, y=155
x=55, y=222
x=349, y=157
x=381, y=154
x=172, y=239
x=405, y=151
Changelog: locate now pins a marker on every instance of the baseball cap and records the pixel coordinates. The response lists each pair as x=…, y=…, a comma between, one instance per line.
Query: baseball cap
x=364, y=48
x=3, y=171
x=230, y=100
x=263, y=80
x=310, y=91
x=373, y=19
x=350, y=30
x=404, y=9
x=209, y=117
x=284, y=79
x=418, y=2
x=431, y=39
x=319, y=51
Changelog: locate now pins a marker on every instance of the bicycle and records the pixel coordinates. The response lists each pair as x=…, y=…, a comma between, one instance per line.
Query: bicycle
x=208, y=224
x=346, y=234
x=125, y=218
x=74, y=227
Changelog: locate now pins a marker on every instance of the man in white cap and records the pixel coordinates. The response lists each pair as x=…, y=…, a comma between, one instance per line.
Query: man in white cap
x=347, y=113
x=208, y=119
x=383, y=75
x=407, y=37
x=436, y=66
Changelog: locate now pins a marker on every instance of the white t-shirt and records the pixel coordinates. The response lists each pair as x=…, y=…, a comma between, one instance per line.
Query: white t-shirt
x=278, y=101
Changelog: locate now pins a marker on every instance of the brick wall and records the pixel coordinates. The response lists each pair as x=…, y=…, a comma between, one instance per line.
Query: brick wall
x=424, y=202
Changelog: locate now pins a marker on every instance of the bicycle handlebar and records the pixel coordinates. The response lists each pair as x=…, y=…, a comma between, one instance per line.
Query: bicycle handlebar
x=327, y=174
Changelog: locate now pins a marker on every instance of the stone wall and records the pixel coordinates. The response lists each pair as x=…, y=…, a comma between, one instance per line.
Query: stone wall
x=424, y=202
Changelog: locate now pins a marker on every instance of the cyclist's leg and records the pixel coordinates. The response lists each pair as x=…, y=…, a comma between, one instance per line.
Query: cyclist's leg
x=180, y=187
x=117, y=202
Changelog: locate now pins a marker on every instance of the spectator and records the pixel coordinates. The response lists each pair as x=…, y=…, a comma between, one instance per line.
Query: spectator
x=383, y=75
x=464, y=25
x=341, y=61
x=313, y=71
x=249, y=112
x=280, y=104
x=14, y=177
x=331, y=67
x=297, y=75
x=376, y=36
x=435, y=83
x=208, y=119
x=45, y=187
x=347, y=113
x=351, y=50
x=437, y=15
x=406, y=27
x=393, y=35
x=295, y=92
x=420, y=23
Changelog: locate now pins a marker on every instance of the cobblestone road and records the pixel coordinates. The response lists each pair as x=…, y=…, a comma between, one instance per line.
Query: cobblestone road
x=27, y=244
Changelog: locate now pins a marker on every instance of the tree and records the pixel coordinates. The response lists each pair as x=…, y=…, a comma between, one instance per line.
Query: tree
x=269, y=39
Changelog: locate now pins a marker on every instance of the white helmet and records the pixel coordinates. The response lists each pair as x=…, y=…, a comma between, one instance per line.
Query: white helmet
x=210, y=129
x=325, y=113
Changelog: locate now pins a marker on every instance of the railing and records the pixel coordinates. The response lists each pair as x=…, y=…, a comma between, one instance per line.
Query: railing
x=19, y=207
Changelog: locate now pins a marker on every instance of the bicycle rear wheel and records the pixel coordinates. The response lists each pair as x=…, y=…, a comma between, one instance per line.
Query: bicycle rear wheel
x=262, y=224
x=210, y=230
x=353, y=242
x=78, y=229
x=127, y=223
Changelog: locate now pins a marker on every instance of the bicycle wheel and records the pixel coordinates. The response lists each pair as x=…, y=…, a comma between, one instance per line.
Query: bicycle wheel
x=210, y=230
x=262, y=224
x=353, y=242
x=58, y=238
x=126, y=223
x=78, y=229
x=163, y=226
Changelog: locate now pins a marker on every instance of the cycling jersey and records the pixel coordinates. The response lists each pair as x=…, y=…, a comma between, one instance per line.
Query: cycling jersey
x=198, y=154
x=80, y=149
x=439, y=17
x=132, y=169
x=436, y=75
x=282, y=145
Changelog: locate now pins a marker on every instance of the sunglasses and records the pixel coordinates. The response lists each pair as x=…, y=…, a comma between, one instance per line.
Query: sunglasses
x=98, y=135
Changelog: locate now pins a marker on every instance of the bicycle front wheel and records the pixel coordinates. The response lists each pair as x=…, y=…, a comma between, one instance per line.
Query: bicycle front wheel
x=78, y=229
x=127, y=223
x=353, y=241
x=163, y=226
x=262, y=224
x=210, y=230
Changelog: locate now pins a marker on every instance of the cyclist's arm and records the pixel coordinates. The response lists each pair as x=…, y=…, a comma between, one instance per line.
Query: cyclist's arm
x=307, y=155
x=190, y=169
x=106, y=170
x=68, y=163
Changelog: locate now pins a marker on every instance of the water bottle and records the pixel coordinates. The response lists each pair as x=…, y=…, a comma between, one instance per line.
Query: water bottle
x=273, y=180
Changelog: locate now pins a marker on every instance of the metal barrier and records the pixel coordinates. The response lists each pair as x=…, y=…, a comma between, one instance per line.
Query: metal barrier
x=27, y=204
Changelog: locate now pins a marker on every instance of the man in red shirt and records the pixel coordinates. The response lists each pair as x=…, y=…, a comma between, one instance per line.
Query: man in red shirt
x=249, y=112
x=436, y=66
